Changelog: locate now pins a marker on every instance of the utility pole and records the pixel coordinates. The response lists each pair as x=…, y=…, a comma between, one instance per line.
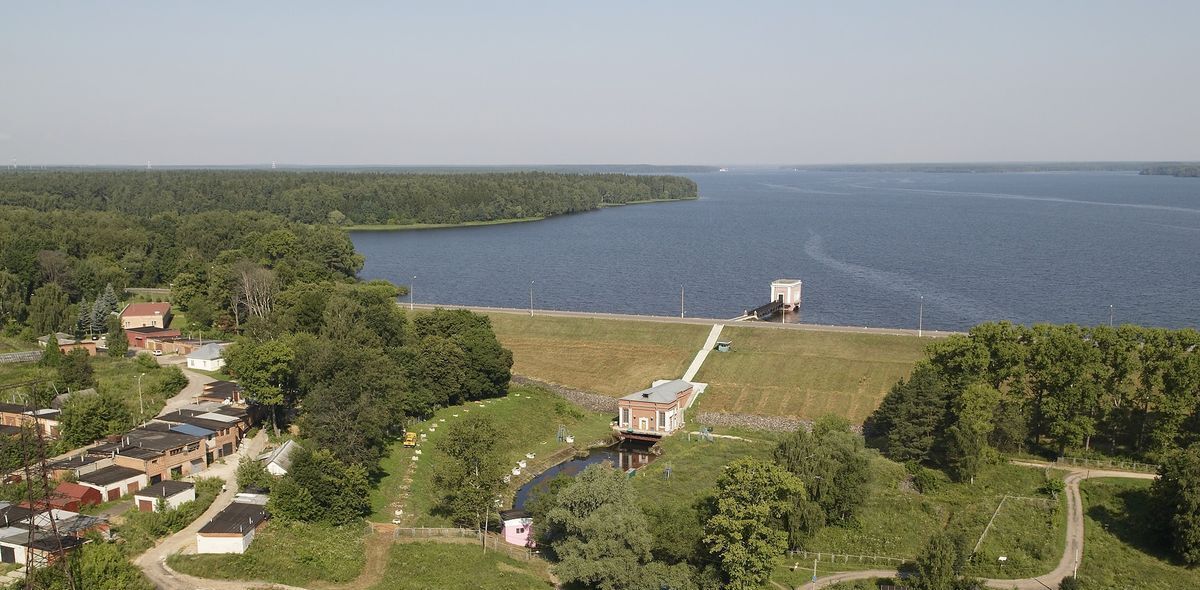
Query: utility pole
x=141, y=406
x=530, y=298
x=412, y=292
x=921, y=318
x=814, y=578
x=1110, y=315
x=681, y=302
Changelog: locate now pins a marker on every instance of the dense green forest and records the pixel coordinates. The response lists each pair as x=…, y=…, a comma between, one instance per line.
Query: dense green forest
x=1184, y=170
x=335, y=197
x=983, y=167
x=1124, y=391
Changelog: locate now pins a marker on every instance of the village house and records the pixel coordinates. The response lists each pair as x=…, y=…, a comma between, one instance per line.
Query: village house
x=72, y=496
x=19, y=415
x=137, y=336
x=159, y=453
x=172, y=494
x=280, y=460
x=222, y=432
x=518, y=527
x=207, y=358
x=114, y=482
x=232, y=529
x=78, y=465
x=67, y=343
x=26, y=533
x=653, y=413
x=143, y=315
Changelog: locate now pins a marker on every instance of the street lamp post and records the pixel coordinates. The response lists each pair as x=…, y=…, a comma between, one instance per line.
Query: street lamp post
x=412, y=292
x=921, y=318
x=530, y=298
x=1110, y=315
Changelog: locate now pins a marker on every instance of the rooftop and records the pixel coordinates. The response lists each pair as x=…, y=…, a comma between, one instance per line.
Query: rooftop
x=157, y=440
x=165, y=489
x=146, y=309
x=208, y=352
x=109, y=475
x=150, y=330
x=283, y=455
x=195, y=419
x=236, y=518
x=664, y=393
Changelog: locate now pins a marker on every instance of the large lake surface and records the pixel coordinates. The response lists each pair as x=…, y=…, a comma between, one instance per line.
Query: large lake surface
x=1053, y=247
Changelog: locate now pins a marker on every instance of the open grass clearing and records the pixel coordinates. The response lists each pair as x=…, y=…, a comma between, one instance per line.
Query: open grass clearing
x=528, y=419
x=610, y=357
x=16, y=344
x=805, y=374
x=452, y=566
x=292, y=553
x=1121, y=550
x=116, y=375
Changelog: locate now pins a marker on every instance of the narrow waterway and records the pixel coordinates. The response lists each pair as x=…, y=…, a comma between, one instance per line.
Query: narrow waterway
x=624, y=456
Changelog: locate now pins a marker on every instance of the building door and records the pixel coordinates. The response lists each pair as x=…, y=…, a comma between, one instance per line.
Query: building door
x=145, y=506
x=7, y=555
x=643, y=424
x=114, y=494
x=133, y=487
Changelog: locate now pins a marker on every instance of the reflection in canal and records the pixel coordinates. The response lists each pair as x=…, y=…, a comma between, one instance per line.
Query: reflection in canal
x=624, y=456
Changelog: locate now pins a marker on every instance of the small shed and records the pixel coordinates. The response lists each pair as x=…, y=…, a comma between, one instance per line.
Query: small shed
x=518, y=527
x=280, y=460
x=71, y=496
x=206, y=358
x=787, y=291
x=232, y=529
x=172, y=493
x=114, y=481
x=723, y=346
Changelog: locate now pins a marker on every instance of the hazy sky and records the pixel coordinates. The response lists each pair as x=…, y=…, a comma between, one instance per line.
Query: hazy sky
x=597, y=82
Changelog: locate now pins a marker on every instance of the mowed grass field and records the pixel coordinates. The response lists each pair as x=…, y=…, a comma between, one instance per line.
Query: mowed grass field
x=805, y=374
x=610, y=357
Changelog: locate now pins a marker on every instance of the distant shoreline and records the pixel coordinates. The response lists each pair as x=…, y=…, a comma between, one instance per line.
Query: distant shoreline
x=417, y=226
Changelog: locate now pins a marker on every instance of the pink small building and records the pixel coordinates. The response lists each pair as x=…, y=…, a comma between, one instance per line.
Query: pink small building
x=518, y=527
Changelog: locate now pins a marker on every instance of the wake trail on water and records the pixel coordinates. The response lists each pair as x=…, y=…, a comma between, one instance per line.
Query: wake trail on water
x=1015, y=197
x=814, y=248
x=797, y=189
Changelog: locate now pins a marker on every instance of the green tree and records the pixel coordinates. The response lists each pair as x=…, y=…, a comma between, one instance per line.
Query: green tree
x=83, y=321
x=745, y=536
x=52, y=355
x=118, y=344
x=75, y=371
x=251, y=472
x=596, y=532
x=291, y=501
x=49, y=309
x=264, y=371
x=12, y=298
x=339, y=491
x=971, y=415
x=87, y=418
x=935, y=564
x=906, y=424
x=1177, y=496
x=472, y=474
x=832, y=463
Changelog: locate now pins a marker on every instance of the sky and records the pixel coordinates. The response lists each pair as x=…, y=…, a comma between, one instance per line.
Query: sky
x=613, y=82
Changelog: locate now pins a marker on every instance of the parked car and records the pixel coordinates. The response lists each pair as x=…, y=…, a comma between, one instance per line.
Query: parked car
x=158, y=353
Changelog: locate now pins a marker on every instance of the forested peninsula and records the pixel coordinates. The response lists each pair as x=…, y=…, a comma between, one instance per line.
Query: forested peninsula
x=1182, y=170
x=338, y=198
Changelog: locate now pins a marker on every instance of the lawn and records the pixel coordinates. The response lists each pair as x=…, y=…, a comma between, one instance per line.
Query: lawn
x=529, y=419
x=16, y=344
x=805, y=374
x=292, y=553
x=1120, y=549
x=425, y=565
x=118, y=375
x=897, y=520
x=610, y=357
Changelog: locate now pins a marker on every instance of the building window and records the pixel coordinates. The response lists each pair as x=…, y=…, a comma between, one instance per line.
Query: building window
x=624, y=417
x=662, y=421
x=520, y=530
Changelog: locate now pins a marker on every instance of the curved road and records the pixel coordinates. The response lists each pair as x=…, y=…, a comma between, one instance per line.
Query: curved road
x=1047, y=581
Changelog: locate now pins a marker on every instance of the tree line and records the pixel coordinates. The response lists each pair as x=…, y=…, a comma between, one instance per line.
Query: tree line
x=1183, y=170
x=335, y=197
x=1124, y=391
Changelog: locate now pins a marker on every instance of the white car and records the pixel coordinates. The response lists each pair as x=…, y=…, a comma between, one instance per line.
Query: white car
x=158, y=353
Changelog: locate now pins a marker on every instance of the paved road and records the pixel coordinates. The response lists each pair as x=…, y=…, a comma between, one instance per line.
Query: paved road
x=1072, y=548
x=704, y=321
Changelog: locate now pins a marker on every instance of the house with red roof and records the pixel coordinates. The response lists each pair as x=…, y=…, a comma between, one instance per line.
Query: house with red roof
x=145, y=315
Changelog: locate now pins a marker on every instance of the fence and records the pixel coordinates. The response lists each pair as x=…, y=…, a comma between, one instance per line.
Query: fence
x=27, y=356
x=828, y=557
x=1107, y=464
x=490, y=541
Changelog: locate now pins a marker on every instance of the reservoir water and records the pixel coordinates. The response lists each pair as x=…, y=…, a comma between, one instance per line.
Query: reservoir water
x=623, y=457
x=1048, y=247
